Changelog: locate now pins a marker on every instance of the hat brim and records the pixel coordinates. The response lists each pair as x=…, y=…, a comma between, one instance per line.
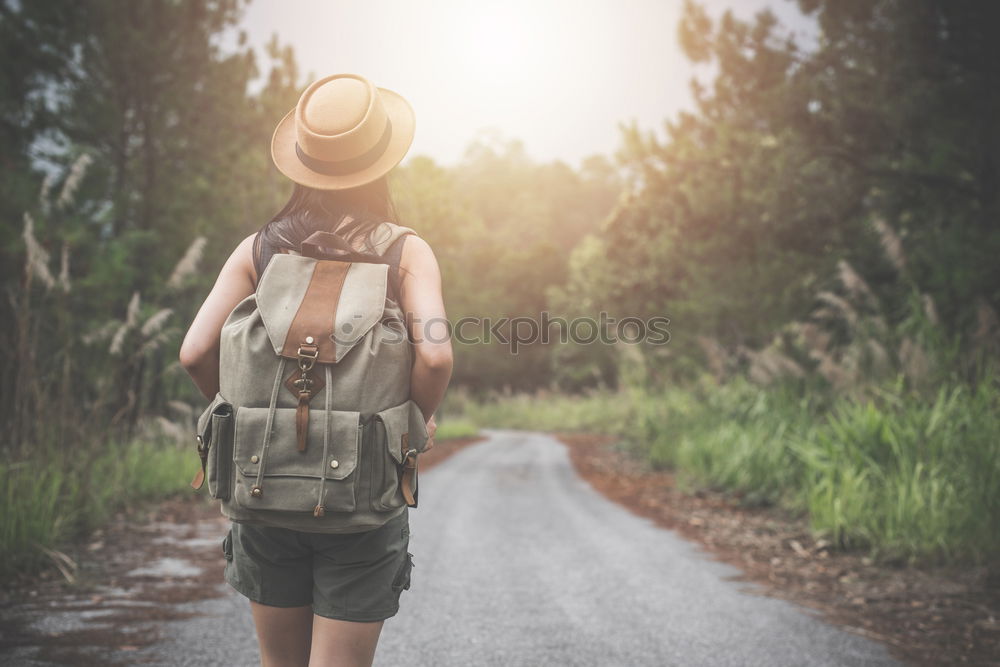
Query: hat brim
x=285, y=159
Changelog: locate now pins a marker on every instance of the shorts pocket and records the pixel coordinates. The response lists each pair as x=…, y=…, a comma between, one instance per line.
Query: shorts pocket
x=279, y=477
x=397, y=430
x=401, y=581
x=227, y=545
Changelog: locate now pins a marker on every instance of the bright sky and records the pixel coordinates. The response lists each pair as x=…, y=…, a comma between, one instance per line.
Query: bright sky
x=557, y=74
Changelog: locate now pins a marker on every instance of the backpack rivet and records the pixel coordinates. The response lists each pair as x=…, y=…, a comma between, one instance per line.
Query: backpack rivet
x=309, y=340
x=256, y=492
x=335, y=463
x=254, y=458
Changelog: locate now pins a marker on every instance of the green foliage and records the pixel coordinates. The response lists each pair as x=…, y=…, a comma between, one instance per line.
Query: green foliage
x=897, y=476
x=865, y=401
x=730, y=437
x=155, y=120
x=126, y=172
x=51, y=496
x=754, y=210
x=454, y=429
x=503, y=227
x=734, y=217
x=906, y=476
x=596, y=412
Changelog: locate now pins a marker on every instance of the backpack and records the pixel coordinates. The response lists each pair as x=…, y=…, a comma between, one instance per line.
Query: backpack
x=313, y=428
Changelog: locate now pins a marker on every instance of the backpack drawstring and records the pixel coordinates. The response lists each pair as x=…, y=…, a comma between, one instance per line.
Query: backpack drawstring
x=318, y=511
x=258, y=488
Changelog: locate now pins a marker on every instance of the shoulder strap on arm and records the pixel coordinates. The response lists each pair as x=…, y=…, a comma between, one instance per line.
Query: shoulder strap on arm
x=388, y=241
x=392, y=256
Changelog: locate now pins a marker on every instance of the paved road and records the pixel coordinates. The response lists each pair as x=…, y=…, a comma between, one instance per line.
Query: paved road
x=517, y=561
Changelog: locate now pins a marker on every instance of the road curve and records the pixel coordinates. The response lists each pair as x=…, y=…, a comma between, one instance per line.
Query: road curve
x=518, y=561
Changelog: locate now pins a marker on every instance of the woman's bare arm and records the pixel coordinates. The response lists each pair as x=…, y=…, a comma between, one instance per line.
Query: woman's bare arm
x=199, y=353
x=423, y=304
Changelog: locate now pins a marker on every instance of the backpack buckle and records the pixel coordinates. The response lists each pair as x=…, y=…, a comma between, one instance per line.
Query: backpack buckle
x=307, y=354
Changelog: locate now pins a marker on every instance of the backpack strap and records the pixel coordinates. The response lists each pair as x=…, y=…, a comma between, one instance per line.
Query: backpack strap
x=320, y=244
x=387, y=241
x=326, y=245
x=392, y=256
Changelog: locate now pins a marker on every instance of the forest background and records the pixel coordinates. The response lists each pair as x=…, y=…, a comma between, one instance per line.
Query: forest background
x=821, y=231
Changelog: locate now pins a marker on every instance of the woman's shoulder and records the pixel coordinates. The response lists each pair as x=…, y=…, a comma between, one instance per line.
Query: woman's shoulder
x=417, y=256
x=243, y=256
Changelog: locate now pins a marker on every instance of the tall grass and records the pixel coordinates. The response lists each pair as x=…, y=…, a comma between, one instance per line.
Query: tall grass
x=452, y=429
x=868, y=416
x=60, y=492
x=84, y=363
x=545, y=411
x=894, y=474
x=83, y=406
x=908, y=477
x=735, y=437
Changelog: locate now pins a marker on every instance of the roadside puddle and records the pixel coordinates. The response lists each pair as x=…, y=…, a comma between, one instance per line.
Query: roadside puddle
x=132, y=578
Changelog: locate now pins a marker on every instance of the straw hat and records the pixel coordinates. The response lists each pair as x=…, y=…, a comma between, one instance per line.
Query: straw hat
x=344, y=132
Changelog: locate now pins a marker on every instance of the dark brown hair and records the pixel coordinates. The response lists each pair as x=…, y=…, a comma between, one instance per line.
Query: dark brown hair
x=351, y=214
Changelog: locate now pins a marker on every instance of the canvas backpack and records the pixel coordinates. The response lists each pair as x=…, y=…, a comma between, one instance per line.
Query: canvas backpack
x=313, y=428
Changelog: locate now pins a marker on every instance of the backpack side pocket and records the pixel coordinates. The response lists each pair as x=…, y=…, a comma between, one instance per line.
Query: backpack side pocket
x=385, y=461
x=219, y=468
x=400, y=430
x=203, y=434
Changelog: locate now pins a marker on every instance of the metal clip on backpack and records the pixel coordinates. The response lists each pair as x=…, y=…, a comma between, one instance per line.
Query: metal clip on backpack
x=313, y=428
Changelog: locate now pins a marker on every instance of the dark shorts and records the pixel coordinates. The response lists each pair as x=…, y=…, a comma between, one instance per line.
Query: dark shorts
x=346, y=576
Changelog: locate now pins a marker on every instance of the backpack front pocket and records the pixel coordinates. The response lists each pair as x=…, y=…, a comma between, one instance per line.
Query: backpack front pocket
x=273, y=475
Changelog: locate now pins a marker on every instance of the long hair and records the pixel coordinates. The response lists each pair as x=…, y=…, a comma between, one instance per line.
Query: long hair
x=352, y=214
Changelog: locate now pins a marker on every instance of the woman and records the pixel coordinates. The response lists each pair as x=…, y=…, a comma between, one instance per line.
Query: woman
x=337, y=146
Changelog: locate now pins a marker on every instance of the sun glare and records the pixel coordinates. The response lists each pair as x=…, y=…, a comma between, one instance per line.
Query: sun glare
x=496, y=43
